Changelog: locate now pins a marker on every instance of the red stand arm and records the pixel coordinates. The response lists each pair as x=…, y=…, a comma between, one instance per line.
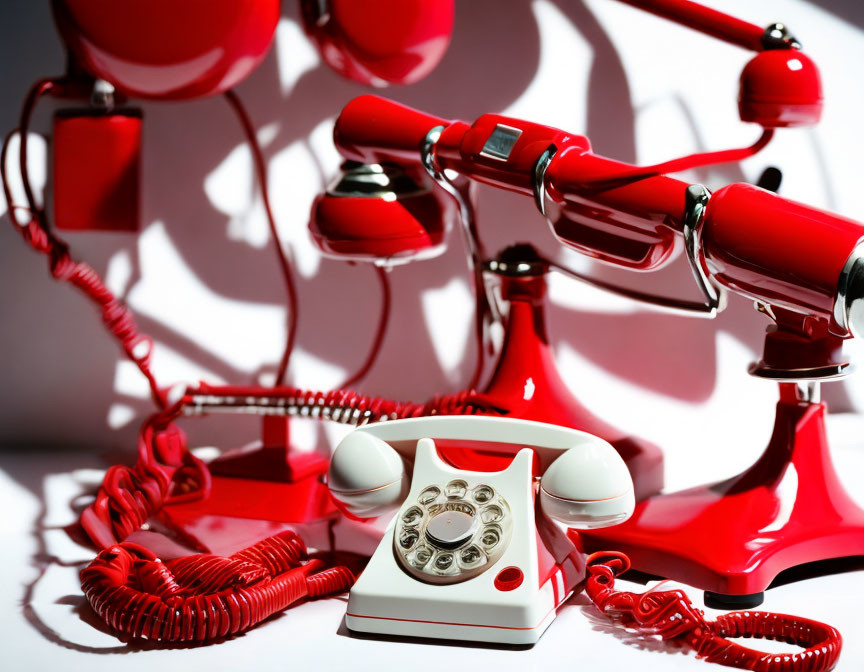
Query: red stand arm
x=705, y=20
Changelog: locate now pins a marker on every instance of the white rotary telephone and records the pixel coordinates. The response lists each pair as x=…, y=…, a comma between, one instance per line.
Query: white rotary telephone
x=468, y=555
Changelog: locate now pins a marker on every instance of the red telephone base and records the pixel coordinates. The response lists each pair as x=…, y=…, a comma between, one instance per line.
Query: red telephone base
x=269, y=463
x=734, y=537
x=264, y=485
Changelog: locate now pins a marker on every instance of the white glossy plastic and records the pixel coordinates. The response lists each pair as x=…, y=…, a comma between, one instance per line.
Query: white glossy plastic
x=588, y=487
x=366, y=475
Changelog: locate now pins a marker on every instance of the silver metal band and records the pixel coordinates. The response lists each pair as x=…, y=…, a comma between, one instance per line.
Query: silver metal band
x=849, y=303
x=540, y=177
x=467, y=218
x=696, y=200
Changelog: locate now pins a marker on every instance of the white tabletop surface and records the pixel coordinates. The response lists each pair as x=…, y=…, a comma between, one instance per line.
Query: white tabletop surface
x=45, y=623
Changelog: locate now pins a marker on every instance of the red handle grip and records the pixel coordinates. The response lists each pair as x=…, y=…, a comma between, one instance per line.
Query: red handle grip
x=372, y=129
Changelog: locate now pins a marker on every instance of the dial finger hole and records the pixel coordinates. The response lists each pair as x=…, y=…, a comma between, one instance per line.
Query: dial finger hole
x=483, y=494
x=491, y=514
x=408, y=537
x=456, y=489
x=444, y=562
x=429, y=495
x=421, y=558
x=490, y=537
x=470, y=556
x=412, y=516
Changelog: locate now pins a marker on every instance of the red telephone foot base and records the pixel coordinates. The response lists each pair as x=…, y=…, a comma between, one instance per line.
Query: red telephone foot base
x=734, y=537
x=274, y=463
x=272, y=499
x=733, y=602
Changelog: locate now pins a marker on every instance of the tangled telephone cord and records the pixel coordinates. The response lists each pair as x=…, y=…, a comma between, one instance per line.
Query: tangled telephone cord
x=205, y=597
x=671, y=615
x=166, y=472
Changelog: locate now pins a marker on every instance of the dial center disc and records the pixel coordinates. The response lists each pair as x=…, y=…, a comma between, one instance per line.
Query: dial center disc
x=450, y=529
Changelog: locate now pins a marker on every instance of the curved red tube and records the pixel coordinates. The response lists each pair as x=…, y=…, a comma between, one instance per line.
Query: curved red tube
x=671, y=615
x=705, y=20
x=204, y=597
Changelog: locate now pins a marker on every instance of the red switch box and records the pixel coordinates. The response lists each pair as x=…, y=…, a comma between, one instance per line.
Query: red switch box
x=96, y=170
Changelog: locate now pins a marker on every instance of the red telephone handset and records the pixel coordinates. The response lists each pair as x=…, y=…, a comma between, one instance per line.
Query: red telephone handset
x=746, y=239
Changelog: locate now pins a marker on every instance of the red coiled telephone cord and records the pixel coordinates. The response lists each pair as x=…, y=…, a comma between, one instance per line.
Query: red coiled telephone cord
x=670, y=615
x=204, y=597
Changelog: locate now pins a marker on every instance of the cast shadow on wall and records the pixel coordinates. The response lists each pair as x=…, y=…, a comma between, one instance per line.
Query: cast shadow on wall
x=339, y=302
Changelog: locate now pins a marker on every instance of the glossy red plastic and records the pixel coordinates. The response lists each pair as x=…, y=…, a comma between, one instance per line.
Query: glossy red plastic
x=96, y=170
x=705, y=20
x=601, y=208
x=509, y=578
x=372, y=229
x=780, y=88
x=380, y=42
x=799, y=342
x=632, y=224
x=526, y=382
x=735, y=536
x=168, y=50
x=371, y=129
x=775, y=250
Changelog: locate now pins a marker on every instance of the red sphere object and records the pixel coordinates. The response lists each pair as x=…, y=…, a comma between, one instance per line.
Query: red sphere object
x=380, y=42
x=780, y=88
x=168, y=50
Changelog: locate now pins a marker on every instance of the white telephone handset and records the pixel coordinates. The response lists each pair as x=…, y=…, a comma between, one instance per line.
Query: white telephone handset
x=467, y=556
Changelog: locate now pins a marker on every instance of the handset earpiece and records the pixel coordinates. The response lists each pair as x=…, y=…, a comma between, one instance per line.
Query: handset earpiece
x=588, y=487
x=366, y=475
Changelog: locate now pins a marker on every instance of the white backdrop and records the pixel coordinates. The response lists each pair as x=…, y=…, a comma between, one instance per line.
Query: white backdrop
x=202, y=275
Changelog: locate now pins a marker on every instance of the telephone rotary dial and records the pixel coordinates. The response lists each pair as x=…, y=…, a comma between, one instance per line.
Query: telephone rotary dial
x=452, y=532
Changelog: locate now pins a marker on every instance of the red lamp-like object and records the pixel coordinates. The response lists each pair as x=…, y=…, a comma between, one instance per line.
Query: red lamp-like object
x=779, y=87
x=157, y=50
x=380, y=214
x=380, y=42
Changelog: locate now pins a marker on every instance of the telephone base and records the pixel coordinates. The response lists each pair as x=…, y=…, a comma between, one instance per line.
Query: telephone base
x=240, y=510
x=491, y=634
x=734, y=537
